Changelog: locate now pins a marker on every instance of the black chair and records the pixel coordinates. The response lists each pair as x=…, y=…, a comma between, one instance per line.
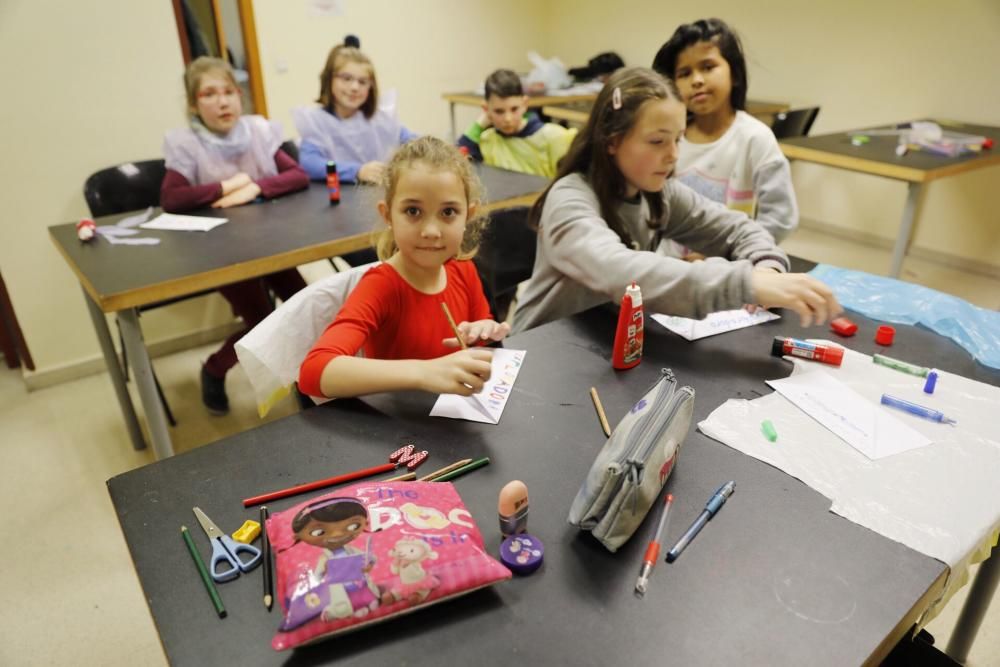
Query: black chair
x=795, y=123
x=129, y=187
x=506, y=257
x=291, y=149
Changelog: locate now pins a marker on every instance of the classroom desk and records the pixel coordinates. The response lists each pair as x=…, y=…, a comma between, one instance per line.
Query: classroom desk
x=775, y=578
x=534, y=101
x=580, y=112
x=258, y=239
x=878, y=158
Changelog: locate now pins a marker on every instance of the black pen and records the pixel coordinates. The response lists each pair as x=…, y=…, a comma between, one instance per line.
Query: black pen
x=715, y=503
x=266, y=551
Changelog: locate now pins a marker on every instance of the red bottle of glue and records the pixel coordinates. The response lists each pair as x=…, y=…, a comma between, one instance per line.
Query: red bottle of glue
x=627, y=351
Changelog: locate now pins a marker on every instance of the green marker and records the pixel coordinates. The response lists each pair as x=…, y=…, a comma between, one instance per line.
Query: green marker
x=902, y=366
x=767, y=428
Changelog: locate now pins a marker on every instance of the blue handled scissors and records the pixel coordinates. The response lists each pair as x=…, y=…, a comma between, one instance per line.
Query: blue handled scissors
x=226, y=550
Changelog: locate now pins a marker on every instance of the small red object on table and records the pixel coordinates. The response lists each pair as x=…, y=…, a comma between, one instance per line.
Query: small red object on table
x=884, y=335
x=844, y=326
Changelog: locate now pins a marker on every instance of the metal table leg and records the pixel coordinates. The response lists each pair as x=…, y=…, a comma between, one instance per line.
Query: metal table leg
x=454, y=135
x=146, y=383
x=913, y=198
x=115, y=372
x=974, y=610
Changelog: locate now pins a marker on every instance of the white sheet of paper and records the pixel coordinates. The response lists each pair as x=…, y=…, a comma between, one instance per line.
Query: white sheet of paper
x=486, y=406
x=183, y=223
x=716, y=323
x=871, y=429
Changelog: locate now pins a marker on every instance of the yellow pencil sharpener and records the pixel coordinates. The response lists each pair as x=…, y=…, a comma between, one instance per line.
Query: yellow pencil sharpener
x=248, y=532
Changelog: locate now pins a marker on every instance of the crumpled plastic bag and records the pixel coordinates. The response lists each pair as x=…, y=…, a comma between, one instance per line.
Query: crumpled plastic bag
x=552, y=72
x=975, y=329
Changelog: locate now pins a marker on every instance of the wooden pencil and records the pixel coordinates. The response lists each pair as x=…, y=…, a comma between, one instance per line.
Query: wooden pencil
x=456, y=464
x=266, y=552
x=203, y=571
x=402, y=478
x=600, y=411
x=454, y=327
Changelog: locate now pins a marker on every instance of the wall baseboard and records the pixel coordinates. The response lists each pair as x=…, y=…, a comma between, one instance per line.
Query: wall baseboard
x=873, y=240
x=48, y=377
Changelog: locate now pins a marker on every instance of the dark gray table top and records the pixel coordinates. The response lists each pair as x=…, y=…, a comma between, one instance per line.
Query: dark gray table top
x=258, y=239
x=882, y=149
x=774, y=579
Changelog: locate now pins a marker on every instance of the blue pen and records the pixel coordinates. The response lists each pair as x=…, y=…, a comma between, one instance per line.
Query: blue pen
x=914, y=409
x=715, y=503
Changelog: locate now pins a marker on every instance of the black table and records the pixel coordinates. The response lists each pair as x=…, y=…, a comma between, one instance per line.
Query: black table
x=878, y=158
x=258, y=239
x=775, y=578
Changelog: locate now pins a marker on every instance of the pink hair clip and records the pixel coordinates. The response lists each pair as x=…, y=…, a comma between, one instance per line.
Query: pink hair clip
x=616, y=98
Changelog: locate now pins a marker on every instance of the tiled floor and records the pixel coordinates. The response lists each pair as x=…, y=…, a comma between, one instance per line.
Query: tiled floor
x=71, y=596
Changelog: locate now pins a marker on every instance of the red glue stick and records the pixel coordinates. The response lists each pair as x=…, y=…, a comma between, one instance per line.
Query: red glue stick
x=800, y=348
x=333, y=182
x=627, y=351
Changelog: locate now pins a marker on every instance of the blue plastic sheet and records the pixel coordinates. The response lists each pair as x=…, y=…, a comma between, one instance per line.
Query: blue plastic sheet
x=880, y=298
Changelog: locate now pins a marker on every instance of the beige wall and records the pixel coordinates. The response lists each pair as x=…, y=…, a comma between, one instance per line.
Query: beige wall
x=94, y=85
x=87, y=86
x=421, y=49
x=862, y=63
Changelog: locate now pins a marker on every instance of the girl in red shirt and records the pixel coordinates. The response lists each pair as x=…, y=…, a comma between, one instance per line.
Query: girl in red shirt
x=394, y=315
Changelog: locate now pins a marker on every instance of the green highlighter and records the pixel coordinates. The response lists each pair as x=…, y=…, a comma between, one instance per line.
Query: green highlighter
x=902, y=366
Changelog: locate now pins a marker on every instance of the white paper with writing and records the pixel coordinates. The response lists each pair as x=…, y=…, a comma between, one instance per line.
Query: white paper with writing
x=486, y=406
x=183, y=223
x=716, y=323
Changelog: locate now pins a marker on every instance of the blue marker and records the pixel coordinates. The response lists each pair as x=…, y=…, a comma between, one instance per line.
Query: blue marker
x=715, y=503
x=914, y=409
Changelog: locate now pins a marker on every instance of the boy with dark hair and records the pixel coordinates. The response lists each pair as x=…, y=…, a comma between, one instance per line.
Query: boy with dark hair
x=506, y=136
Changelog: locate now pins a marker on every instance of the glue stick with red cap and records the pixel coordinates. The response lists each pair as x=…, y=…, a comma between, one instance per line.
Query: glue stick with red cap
x=828, y=354
x=627, y=351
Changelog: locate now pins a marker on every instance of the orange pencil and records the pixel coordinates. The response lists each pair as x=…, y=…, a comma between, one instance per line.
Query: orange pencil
x=451, y=322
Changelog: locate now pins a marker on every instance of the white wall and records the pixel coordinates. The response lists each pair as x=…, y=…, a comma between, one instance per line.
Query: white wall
x=863, y=63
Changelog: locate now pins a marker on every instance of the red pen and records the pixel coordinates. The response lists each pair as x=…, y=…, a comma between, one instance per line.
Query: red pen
x=828, y=354
x=653, y=550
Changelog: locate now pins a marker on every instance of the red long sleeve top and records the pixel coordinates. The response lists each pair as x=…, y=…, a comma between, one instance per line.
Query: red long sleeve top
x=388, y=319
x=177, y=194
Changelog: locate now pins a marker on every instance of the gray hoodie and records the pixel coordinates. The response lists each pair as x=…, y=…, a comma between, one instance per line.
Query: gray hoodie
x=581, y=262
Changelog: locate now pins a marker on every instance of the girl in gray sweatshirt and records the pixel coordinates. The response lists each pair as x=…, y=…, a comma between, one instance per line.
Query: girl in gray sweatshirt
x=601, y=223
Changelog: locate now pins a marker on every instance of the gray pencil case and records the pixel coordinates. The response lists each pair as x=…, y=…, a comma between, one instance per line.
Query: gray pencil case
x=634, y=464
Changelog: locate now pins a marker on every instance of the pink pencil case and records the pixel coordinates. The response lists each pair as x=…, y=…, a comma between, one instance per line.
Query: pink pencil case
x=370, y=551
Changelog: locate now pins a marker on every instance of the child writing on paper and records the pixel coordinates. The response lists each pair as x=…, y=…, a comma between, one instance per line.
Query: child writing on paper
x=394, y=314
x=225, y=159
x=506, y=136
x=726, y=154
x=602, y=221
x=348, y=127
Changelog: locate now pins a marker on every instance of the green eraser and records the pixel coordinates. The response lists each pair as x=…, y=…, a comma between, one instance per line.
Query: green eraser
x=767, y=428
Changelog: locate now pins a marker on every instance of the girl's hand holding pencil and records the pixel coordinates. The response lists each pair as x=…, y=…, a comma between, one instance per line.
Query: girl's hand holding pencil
x=463, y=372
x=475, y=332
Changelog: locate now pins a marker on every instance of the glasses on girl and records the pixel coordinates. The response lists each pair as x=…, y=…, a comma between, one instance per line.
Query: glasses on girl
x=348, y=79
x=215, y=94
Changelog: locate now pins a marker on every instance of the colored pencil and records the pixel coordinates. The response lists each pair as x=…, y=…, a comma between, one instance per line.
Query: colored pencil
x=319, y=484
x=454, y=327
x=266, y=552
x=600, y=411
x=203, y=571
x=402, y=478
x=456, y=464
x=458, y=472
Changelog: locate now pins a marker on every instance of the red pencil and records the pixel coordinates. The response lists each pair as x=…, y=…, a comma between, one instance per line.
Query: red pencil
x=319, y=484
